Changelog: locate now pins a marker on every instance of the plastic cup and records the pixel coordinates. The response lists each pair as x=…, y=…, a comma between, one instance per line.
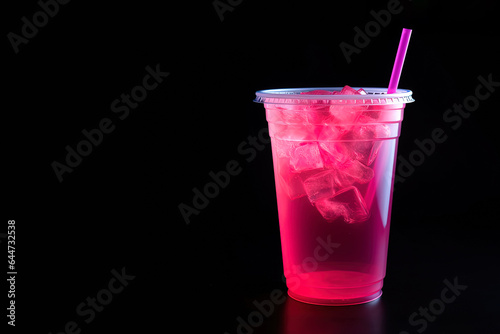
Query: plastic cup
x=334, y=161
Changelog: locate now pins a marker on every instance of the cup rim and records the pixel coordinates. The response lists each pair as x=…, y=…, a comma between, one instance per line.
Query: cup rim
x=293, y=95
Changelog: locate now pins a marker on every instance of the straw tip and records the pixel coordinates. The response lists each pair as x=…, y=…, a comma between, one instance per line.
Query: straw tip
x=406, y=31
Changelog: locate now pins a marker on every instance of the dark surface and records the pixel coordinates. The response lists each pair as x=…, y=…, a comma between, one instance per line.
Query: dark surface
x=119, y=207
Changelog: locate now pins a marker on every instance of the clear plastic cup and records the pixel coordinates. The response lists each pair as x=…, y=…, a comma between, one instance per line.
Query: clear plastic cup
x=334, y=161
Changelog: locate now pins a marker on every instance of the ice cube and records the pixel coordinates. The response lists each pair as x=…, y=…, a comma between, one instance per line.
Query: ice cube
x=319, y=115
x=292, y=184
x=293, y=115
x=273, y=113
x=343, y=116
x=286, y=179
x=292, y=132
x=347, y=90
x=284, y=148
x=306, y=157
x=347, y=203
x=349, y=172
x=320, y=185
x=316, y=110
x=330, y=209
x=362, y=144
x=349, y=113
x=357, y=171
x=333, y=154
x=346, y=115
x=369, y=116
x=331, y=132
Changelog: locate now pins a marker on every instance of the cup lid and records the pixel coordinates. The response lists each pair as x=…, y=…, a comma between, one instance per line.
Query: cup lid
x=293, y=96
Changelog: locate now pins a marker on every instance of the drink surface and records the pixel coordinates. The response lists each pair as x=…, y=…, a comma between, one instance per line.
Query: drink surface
x=334, y=170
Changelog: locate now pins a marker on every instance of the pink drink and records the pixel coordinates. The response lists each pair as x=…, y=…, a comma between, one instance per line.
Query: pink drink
x=334, y=153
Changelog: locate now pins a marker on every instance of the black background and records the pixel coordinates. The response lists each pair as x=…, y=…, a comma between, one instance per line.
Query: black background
x=119, y=207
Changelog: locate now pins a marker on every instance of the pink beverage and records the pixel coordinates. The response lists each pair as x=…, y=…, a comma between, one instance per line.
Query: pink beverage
x=334, y=153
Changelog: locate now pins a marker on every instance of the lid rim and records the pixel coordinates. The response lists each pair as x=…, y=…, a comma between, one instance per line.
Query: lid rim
x=287, y=95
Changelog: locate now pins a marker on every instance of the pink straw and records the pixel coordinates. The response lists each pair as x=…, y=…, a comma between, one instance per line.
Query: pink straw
x=398, y=63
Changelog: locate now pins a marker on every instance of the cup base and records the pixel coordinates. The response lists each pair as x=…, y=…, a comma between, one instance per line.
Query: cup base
x=335, y=302
x=335, y=287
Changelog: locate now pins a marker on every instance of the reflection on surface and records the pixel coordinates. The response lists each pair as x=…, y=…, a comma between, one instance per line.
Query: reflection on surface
x=301, y=318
